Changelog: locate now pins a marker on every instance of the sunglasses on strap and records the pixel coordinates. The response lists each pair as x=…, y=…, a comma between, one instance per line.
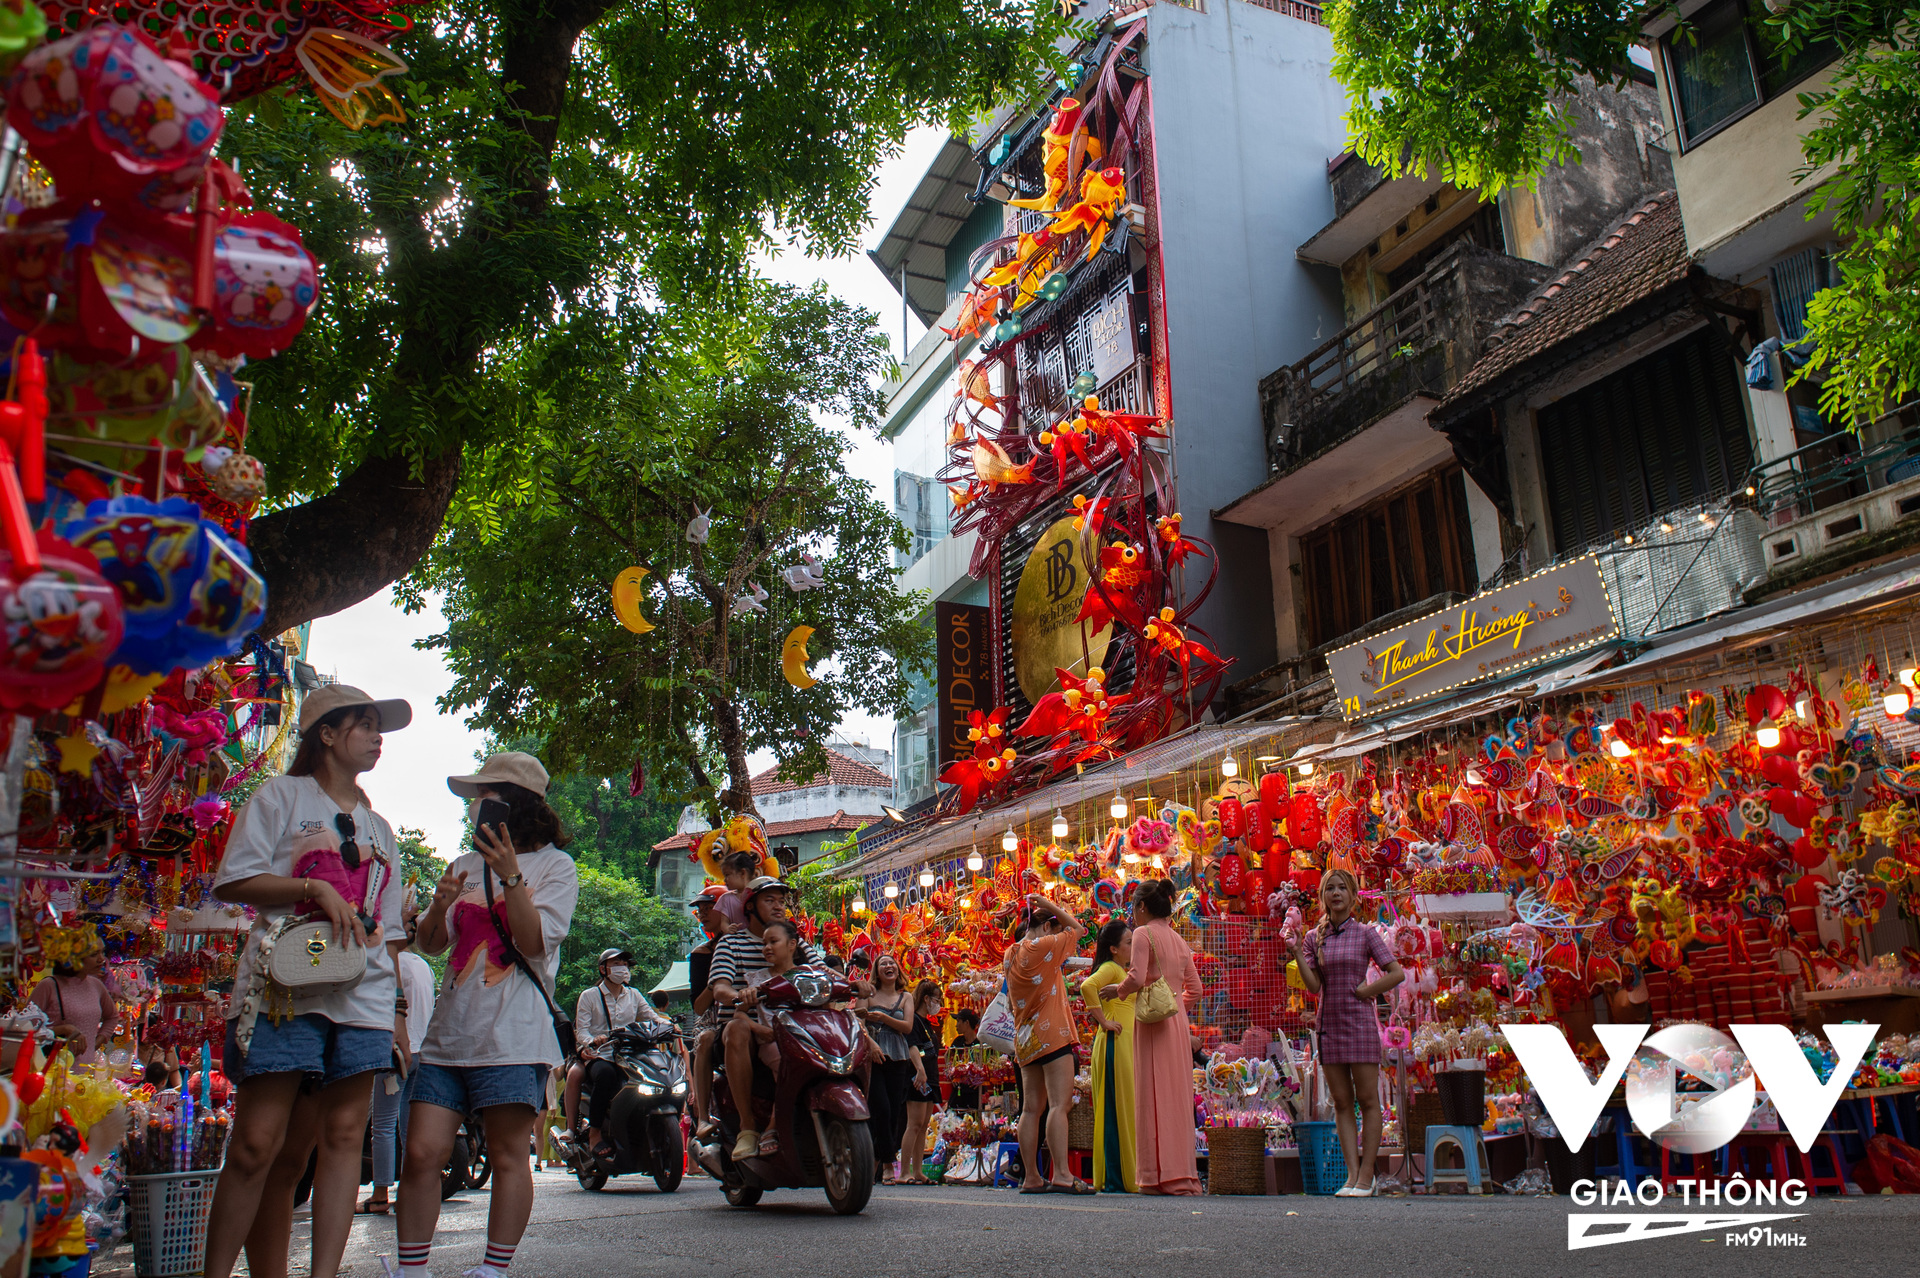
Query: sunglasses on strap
x=349, y=850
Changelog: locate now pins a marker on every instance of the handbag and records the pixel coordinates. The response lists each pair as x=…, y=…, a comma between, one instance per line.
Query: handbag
x=307, y=960
x=996, y=1023
x=562, y=1027
x=1156, y=1001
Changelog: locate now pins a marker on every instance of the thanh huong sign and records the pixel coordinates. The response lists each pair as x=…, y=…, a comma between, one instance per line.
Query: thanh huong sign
x=1552, y=614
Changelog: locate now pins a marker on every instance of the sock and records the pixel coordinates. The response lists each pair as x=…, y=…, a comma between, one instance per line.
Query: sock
x=414, y=1255
x=500, y=1255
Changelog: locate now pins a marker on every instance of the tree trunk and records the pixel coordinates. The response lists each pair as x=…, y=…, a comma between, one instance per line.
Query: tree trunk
x=346, y=545
x=738, y=796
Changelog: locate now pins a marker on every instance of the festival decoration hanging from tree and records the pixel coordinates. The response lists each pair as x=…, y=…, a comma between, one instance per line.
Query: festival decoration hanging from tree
x=721, y=419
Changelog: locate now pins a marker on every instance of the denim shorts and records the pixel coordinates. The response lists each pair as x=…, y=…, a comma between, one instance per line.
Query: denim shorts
x=468, y=1089
x=310, y=1045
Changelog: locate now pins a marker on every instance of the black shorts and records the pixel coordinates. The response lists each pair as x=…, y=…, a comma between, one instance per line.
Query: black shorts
x=1050, y=1057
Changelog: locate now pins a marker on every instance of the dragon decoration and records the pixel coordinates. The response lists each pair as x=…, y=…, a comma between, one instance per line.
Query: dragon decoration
x=1009, y=458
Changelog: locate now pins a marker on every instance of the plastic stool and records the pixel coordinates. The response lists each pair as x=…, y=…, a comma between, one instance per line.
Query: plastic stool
x=1008, y=1151
x=1771, y=1146
x=1626, y=1168
x=1830, y=1141
x=1715, y=1169
x=1473, y=1152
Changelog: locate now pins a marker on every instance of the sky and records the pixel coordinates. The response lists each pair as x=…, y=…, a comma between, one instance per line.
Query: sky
x=370, y=646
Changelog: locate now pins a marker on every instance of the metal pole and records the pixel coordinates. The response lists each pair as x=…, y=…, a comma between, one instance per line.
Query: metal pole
x=903, y=304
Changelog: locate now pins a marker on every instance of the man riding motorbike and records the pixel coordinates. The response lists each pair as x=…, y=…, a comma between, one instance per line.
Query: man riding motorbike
x=739, y=963
x=600, y=1011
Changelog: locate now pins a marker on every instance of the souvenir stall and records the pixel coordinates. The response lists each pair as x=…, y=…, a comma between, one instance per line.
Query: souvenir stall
x=136, y=281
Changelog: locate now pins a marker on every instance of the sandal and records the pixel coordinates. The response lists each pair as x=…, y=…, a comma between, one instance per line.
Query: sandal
x=1076, y=1187
x=1036, y=1189
x=372, y=1208
x=769, y=1145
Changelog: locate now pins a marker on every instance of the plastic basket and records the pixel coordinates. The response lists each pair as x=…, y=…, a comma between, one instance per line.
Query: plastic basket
x=1323, y=1168
x=1237, y=1160
x=1564, y=1167
x=168, y=1218
x=1080, y=1127
x=1463, y=1096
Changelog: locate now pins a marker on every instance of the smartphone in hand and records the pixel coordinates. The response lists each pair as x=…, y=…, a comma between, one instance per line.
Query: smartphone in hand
x=492, y=812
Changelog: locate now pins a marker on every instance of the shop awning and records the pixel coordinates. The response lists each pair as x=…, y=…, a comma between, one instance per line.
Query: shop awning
x=678, y=980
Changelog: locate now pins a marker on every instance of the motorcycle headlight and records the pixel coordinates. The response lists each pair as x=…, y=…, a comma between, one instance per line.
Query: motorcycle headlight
x=649, y=1089
x=679, y=1089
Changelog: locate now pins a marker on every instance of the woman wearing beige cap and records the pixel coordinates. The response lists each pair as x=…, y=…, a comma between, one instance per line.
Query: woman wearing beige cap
x=504, y=908
x=308, y=844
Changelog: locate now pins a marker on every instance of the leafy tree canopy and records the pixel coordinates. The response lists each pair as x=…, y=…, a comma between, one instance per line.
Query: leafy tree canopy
x=1474, y=91
x=561, y=157
x=725, y=414
x=420, y=866
x=617, y=912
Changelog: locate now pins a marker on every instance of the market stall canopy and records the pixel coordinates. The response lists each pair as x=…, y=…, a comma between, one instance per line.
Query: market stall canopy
x=678, y=980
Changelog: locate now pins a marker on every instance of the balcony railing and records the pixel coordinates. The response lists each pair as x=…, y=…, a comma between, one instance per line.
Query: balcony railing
x=1824, y=473
x=1422, y=338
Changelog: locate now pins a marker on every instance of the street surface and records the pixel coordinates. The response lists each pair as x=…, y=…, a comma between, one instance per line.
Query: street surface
x=971, y=1232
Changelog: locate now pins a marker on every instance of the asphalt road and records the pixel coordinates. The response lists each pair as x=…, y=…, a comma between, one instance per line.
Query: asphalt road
x=934, y=1232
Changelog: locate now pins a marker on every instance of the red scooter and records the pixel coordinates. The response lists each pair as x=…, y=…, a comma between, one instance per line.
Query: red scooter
x=818, y=1104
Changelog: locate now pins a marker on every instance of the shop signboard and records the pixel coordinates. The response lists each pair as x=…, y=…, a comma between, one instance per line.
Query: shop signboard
x=1110, y=338
x=1552, y=614
x=1045, y=629
x=965, y=675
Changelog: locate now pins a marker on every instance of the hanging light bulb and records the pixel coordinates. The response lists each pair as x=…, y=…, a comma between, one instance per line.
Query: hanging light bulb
x=1619, y=749
x=1059, y=824
x=892, y=890
x=926, y=878
x=1118, y=807
x=1767, y=737
x=973, y=860
x=1908, y=675
x=1897, y=702
x=966, y=903
x=1131, y=858
x=1229, y=766
x=1801, y=708
x=1009, y=842
x=1306, y=769
x=1159, y=862
x=859, y=905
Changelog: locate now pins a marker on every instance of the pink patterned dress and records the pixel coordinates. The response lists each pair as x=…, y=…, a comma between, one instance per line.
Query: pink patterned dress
x=1349, y=1027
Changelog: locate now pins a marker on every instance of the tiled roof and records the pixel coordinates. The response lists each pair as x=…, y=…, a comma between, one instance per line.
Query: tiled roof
x=840, y=820
x=1643, y=253
x=841, y=770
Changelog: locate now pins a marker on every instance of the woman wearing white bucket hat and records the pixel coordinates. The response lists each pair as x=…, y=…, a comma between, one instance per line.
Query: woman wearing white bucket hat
x=308, y=845
x=504, y=908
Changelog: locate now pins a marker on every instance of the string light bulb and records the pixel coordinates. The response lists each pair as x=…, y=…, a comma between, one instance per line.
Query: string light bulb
x=966, y=903
x=1009, y=842
x=973, y=860
x=1059, y=824
x=1306, y=768
x=1619, y=748
x=1118, y=807
x=1229, y=766
x=1897, y=702
x=926, y=878
x=1767, y=737
x=892, y=890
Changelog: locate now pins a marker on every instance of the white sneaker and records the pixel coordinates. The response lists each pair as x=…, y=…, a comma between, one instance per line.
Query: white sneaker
x=393, y=1271
x=484, y=1271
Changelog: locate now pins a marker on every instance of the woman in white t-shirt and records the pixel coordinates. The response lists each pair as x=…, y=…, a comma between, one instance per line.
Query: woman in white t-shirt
x=308, y=844
x=491, y=1041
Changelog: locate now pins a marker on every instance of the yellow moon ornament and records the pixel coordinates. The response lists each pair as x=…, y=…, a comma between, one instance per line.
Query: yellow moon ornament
x=793, y=657
x=626, y=600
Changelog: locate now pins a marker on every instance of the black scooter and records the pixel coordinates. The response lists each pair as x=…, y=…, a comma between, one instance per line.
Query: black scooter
x=643, y=1123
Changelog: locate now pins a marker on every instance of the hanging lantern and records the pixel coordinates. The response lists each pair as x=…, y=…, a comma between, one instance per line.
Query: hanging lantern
x=62, y=624
x=1259, y=825
x=1305, y=824
x=1232, y=875
x=1233, y=818
x=1273, y=792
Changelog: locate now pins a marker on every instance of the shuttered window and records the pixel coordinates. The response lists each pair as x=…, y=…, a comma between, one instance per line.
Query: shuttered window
x=1664, y=433
x=1401, y=549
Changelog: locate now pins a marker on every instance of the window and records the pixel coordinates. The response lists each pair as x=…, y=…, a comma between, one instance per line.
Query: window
x=1396, y=552
x=1665, y=432
x=1723, y=64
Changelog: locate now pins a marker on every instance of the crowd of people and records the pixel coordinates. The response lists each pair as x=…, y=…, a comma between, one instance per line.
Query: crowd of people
x=313, y=1070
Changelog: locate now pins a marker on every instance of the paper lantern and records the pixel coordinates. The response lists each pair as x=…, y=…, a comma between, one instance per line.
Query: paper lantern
x=1259, y=825
x=1233, y=818
x=62, y=624
x=1305, y=826
x=1273, y=792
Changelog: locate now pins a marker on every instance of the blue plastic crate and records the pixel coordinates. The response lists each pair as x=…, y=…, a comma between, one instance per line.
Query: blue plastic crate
x=1323, y=1168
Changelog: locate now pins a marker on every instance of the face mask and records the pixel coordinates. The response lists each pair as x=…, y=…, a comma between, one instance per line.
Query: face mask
x=618, y=974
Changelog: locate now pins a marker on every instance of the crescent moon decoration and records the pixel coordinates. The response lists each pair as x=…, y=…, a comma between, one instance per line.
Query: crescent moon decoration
x=626, y=600
x=793, y=657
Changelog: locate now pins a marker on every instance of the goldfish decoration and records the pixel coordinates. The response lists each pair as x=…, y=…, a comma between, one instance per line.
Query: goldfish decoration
x=1123, y=568
x=1080, y=708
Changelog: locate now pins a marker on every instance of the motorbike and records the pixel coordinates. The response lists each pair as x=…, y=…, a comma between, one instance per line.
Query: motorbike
x=816, y=1106
x=643, y=1123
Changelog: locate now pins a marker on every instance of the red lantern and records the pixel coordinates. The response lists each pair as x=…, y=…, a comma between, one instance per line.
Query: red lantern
x=1254, y=889
x=1273, y=792
x=1233, y=818
x=1305, y=824
x=1259, y=825
x=1232, y=877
